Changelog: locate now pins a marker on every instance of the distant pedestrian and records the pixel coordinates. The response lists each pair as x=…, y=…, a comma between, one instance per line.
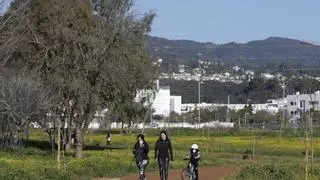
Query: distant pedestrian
x=73, y=138
x=140, y=151
x=162, y=150
x=108, y=139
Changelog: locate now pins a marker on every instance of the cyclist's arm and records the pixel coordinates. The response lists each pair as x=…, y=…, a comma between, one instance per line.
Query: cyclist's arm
x=198, y=155
x=188, y=155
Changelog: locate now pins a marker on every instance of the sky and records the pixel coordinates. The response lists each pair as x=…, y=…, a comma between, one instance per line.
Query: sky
x=222, y=21
x=4, y=4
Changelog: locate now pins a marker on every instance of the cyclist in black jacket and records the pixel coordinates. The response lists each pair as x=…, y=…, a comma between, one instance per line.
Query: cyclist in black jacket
x=194, y=157
x=140, y=151
x=162, y=149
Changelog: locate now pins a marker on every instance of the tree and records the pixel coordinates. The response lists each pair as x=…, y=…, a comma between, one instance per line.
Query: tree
x=90, y=53
x=207, y=115
x=129, y=111
x=175, y=117
x=263, y=116
x=22, y=99
x=314, y=115
x=282, y=116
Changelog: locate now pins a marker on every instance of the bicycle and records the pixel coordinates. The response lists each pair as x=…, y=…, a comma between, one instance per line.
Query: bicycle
x=188, y=172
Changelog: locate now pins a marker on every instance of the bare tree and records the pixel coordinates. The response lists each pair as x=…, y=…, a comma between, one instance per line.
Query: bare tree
x=21, y=99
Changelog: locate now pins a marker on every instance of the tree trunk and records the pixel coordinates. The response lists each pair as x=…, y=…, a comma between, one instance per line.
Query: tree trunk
x=79, y=141
x=81, y=128
x=122, y=125
x=69, y=128
x=59, y=145
x=27, y=131
x=68, y=139
x=68, y=134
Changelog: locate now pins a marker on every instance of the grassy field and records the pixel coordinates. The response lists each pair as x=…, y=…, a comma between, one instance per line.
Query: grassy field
x=275, y=158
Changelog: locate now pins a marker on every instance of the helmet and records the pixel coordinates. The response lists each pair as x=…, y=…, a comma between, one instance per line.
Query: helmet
x=194, y=146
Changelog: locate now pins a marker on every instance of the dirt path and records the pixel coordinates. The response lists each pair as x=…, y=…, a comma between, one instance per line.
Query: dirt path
x=210, y=173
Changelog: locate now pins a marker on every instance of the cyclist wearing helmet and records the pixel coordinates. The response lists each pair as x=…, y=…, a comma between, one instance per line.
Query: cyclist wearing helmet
x=140, y=151
x=194, y=157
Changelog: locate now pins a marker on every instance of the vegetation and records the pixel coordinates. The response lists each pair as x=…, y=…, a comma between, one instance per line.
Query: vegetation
x=62, y=61
x=89, y=54
x=271, y=171
x=36, y=161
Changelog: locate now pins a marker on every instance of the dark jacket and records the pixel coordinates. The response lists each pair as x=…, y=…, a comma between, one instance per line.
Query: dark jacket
x=140, y=152
x=162, y=149
x=194, y=156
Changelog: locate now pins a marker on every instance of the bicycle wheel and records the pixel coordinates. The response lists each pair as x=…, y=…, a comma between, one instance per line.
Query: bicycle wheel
x=185, y=175
x=142, y=177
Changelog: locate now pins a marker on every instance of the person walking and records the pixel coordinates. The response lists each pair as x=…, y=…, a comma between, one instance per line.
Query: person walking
x=163, y=153
x=108, y=139
x=140, y=151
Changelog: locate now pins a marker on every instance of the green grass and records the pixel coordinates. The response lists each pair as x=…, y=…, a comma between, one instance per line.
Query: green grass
x=34, y=163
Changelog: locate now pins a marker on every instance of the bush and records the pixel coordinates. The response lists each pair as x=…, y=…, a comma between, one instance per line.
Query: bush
x=287, y=171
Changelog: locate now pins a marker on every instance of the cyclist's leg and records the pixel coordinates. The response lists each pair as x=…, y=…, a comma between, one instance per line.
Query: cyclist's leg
x=196, y=171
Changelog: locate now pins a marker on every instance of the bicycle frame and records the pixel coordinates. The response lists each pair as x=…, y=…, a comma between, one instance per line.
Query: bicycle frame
x=188, y=172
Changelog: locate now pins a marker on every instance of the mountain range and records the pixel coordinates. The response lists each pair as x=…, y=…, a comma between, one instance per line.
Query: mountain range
x=268, y=53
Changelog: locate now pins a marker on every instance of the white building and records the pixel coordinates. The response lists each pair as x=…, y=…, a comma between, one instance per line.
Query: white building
x=300, y=103
x=175, y=104
x=270, y=107
x=160, y=100
x=267, y=76
x=181, y=68
x=236, y=68
x=161, y=103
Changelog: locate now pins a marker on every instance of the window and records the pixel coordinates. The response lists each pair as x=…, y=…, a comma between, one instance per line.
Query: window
x=293, y=103
x=291, y=112
x=302, y=104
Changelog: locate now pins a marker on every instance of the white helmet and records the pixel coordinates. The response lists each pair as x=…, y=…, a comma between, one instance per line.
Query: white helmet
x=194, y=146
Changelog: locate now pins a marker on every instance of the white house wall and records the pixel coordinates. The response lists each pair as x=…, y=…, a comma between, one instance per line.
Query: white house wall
x=161, y=104
x=175, y=104
x=301, y=103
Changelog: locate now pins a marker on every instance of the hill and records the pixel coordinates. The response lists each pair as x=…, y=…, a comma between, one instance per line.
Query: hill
x=270, y=52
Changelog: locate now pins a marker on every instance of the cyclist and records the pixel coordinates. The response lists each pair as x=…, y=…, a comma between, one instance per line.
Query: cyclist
x=194, y=157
